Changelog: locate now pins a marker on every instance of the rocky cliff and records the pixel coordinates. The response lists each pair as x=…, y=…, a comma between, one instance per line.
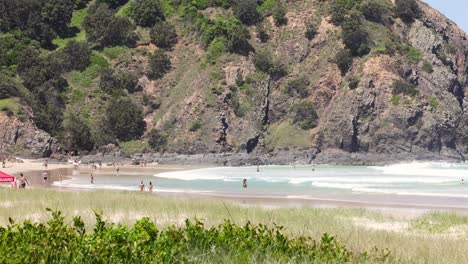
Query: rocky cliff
x=24, y=138
x=231, y=107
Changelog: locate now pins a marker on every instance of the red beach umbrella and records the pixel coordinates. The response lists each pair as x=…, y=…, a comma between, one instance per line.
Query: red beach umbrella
x=6, y=177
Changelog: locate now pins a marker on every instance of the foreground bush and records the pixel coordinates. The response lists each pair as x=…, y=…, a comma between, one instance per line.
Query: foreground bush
x=58, y=242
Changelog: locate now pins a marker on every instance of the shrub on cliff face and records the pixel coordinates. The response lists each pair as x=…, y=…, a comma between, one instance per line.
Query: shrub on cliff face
x=279, y=13
x=146, y=13
x=112, y=81
x=76, y=134
x=159, y=64
x=401, y=87
x=163, y=35
x=76, y=55
x=157, y=140
x=355, y=36
x=344, y=59
x=265, y=62
x=104, y=29
x=407, y=10
x=298, y=87
x=112, y=3
x=246, y=11
x=311, y=29
x=304, y=115
x=374, y=10
x=124, y=120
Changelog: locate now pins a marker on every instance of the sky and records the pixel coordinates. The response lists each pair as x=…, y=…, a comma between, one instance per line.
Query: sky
x=456, y=10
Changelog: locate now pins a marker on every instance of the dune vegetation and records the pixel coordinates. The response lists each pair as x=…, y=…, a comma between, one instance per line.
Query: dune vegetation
x=356, y=235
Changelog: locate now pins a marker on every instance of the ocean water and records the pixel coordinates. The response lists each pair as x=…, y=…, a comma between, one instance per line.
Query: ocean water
x=433, y=184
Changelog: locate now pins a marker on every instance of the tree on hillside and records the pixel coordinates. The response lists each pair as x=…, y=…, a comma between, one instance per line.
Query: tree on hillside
x=159, y=64
x=80, y=4
x=40, y=20
x=279, y=13
x=57, y=13
x=42, y=76
x=374, y=10
x=76, y=134
x=344, y=59
x=312, y=27
x=238, y=39
x=12, y=44
x=246, y=11
x=163, y=35
x=124, y=119
x=105, y=29
x=118, y=80
x=146, y=13
x=407, y=10
x=157, y=140
x=76, y=55
x=263, y=60
x=298, y=87
x=112, y=3
x=355, y=36
x=304, y=115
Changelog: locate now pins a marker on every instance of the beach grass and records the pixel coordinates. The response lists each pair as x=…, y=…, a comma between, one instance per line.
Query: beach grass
x=408, y=244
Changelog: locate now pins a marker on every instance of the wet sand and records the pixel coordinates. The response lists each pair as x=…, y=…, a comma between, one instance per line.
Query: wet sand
x=33, y=170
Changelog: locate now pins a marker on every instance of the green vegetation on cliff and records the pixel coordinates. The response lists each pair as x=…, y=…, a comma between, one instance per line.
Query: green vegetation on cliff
x=181, y=65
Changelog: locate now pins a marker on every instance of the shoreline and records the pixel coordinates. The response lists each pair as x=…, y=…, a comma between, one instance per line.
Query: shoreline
x=33, y=171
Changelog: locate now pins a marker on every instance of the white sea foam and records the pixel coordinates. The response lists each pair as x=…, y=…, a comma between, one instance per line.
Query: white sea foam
x=425, y=169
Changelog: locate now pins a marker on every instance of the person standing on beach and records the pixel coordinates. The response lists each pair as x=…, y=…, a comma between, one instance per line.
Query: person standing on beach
x=118, y=169
x=150, y=187
x=45, y=176
x=23, y=181
x=142, y=186
x=92, y=179
x=3, y=163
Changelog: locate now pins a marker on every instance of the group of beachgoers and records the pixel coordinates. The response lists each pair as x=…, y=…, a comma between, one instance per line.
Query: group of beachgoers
x=142, y=186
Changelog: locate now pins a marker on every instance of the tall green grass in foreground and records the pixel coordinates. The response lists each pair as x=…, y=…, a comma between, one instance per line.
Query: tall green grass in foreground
x=416, y=242
x=58, y=242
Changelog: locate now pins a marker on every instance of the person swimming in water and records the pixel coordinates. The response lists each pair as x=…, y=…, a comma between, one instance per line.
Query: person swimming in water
x=244, y=183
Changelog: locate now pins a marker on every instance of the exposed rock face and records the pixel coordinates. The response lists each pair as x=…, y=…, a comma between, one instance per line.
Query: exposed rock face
x=24, y=138
x=238, y=107
x=430, y=126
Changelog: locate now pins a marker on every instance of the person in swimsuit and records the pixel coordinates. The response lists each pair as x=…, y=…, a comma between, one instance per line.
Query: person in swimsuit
x=92, y=179
x=23, y=181
x=150, y=187
x=244, y=183
x=45, y=176
x=142, y=186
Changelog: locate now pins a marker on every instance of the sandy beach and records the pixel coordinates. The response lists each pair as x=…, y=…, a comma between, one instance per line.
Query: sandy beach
x=34, y=169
